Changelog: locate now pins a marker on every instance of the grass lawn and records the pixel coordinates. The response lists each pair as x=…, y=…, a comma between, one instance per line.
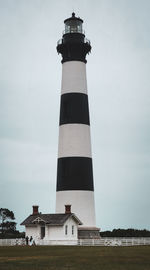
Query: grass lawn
x=75, y=258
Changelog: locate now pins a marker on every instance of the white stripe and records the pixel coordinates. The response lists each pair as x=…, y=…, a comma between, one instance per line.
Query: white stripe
x=82, y=205
x=74, y=77
x=74, y=140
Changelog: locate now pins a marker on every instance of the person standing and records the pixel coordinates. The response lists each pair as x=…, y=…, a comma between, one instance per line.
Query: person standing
x=27, y=240
x=31, y=241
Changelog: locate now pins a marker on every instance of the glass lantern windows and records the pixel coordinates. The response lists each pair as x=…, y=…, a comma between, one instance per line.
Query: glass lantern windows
x=73, y=26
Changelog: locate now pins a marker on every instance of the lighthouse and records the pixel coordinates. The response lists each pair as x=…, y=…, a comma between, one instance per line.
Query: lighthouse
x=75, y=185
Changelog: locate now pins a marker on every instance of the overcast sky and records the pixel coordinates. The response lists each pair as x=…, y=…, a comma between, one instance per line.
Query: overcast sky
x=118, y=75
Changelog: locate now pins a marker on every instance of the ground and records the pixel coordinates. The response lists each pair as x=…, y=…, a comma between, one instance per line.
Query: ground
x=74, y=258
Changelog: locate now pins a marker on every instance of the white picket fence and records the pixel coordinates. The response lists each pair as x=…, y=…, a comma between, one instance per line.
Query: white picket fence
x=112, y=241
x=103, y=241
x=12, y=242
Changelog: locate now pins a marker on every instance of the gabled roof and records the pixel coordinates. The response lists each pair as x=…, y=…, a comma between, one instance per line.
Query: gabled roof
x=50, y=219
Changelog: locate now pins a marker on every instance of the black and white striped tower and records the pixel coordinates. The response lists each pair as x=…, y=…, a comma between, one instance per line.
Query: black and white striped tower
x=74, y=171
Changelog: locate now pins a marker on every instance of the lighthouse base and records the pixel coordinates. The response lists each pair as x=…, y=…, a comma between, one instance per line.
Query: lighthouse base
x=88, y=233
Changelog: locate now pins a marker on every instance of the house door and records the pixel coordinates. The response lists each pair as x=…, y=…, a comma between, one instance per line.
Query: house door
x=42, y=232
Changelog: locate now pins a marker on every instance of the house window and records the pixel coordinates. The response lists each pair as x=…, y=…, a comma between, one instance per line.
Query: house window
x=66, y=229
x=72, y=229
x=42, y=232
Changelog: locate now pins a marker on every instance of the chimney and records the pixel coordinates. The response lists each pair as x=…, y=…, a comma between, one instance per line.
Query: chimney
x=35, y=209
x=67, y=209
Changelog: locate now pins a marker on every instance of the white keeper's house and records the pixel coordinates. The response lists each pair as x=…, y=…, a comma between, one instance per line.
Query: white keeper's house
x=53, y=227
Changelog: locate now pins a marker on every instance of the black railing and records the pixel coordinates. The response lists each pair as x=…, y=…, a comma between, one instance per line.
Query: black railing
x=60, y=41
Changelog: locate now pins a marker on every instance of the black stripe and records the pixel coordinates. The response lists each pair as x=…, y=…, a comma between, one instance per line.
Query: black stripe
x=74, y=173
x=74, y=109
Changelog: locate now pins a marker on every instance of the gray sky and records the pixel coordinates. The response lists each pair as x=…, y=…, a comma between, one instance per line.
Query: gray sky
x=119, y=96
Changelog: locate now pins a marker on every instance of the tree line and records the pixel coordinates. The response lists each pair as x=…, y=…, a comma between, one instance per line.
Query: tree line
x=126, y=233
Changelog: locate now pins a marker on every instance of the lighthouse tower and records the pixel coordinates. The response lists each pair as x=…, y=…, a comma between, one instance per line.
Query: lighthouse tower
x=74, y=170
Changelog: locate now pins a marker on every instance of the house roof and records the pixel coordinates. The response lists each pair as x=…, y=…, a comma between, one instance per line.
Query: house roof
x=50, y=219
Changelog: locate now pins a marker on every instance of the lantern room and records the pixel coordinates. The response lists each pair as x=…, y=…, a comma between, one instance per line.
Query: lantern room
x=73, y=25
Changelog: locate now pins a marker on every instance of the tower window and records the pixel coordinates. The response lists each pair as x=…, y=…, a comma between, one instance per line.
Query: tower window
x=66, y=229
x=72, y=229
